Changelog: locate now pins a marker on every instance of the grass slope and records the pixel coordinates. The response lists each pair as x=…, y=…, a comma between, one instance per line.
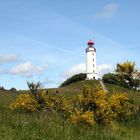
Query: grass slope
x=74, y=88
x=50, y=126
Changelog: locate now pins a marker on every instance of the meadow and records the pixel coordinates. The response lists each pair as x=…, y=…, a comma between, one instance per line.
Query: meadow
x=49, y=125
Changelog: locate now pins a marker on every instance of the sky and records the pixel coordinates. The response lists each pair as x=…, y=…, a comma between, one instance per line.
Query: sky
x=45, y=40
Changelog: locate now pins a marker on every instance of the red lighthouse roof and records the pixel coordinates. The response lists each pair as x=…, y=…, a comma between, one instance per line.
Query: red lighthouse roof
x=90, y=43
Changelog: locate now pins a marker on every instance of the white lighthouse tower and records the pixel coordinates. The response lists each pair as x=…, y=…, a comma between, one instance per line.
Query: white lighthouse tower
x=91, y=68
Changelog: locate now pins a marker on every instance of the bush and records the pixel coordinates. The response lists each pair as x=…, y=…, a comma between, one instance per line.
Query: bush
x=96, y=100
x=111, y=78
x=74, y=78
x=25, y=103
x=13, y=89
x=36, y=93
x=79, y=117
x=2, y=88
x=121, y=106
x=93, y=106
x=59, y=104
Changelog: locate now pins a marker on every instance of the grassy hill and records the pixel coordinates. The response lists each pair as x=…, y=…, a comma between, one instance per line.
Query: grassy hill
x=76, y=88
x=45, y=125
x=73, y=89
x=6, y=97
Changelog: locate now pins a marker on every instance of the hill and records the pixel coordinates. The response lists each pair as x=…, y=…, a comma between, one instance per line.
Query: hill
x=72, y=89
x=76, y=88
x=6, y=96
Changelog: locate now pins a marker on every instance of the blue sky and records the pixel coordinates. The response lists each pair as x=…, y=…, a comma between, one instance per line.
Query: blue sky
x=45, y=40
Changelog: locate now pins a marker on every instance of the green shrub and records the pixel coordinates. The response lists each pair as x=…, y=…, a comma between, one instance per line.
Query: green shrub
x=35, y=91
x=74, y=78
x=114, y=79
x=110, y=78
x=13, y=89
x=2, y=88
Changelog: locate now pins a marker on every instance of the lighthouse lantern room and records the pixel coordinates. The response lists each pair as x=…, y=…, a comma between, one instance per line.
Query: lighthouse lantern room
x=91, y=68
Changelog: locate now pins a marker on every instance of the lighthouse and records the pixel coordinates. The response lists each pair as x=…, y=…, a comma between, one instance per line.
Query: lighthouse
x=91, y=68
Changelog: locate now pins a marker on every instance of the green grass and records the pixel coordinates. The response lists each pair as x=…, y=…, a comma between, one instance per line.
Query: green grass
x=51, y=126
x=74, y=88
x=21, y=126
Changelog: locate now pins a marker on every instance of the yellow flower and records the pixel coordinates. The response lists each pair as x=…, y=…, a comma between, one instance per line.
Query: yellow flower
x=79, y=117
x=24, y=102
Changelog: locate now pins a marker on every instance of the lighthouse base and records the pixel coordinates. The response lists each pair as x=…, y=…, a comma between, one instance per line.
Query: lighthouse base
x=91, y=76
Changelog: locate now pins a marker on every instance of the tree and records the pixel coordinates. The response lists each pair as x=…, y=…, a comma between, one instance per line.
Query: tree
x=33, y=88
x=34, y=91
x=128, y=72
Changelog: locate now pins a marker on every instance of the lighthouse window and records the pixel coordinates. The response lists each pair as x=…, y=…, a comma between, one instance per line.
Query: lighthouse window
x=93, y=59
x=93, y=70
x=93, y=65
x=93, y=54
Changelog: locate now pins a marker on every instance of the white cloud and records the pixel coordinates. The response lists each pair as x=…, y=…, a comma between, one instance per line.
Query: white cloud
x=81, y=68
x=108, y=11
x=9, y=58
x=27, y=69
x=103, y=69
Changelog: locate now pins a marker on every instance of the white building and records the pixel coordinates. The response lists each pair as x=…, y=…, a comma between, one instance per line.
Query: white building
x=91, y=68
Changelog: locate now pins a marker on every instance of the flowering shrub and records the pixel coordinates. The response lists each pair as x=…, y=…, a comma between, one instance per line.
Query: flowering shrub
x=121, y=106
x=94, y=105
x=92, y=97
x=41, y=99
x=97, y=101
x=76, y=102
x=106, y=108
x=59, y=104
x=80, y=109
x=79, y=117
x=24, y=102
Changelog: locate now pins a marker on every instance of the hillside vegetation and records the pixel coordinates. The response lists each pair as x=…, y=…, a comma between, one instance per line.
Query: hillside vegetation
x=52, y=126
x=74, y=78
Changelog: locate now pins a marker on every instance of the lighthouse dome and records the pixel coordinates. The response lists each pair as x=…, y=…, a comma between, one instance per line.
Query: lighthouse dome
x=90, y=47
x=90, y=43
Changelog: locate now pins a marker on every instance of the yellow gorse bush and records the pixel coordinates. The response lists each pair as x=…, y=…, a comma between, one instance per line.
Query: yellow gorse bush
x=93, y=96
x=97, y=101
x=24, y=102
x=59, y=104
x=121, y=106
x=106, y=108
x=93, y=106
x=79, y=117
